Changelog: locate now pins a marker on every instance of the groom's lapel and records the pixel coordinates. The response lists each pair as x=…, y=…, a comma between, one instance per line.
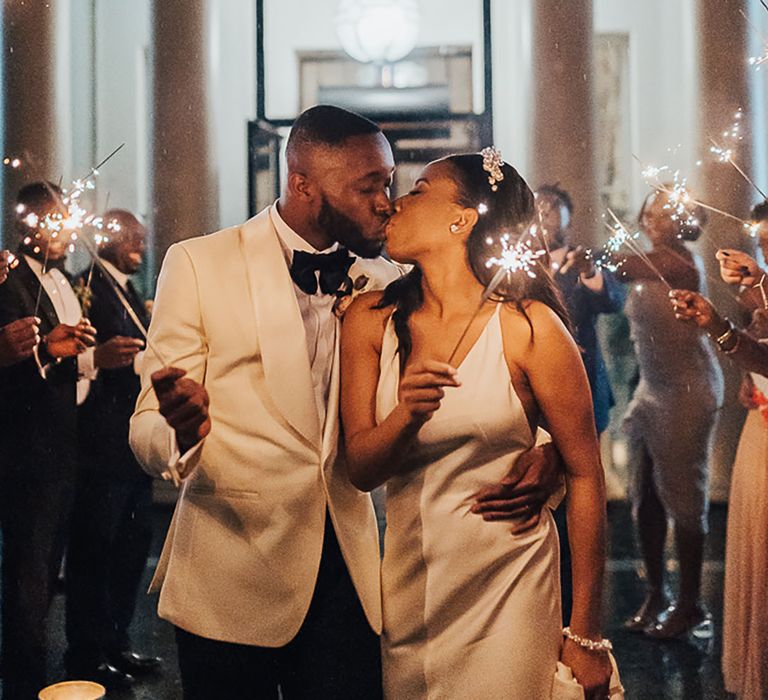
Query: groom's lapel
x=280, y=329
x=331, y=428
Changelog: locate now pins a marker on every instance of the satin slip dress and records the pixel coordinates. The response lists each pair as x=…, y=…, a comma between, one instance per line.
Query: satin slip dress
x=470, y=611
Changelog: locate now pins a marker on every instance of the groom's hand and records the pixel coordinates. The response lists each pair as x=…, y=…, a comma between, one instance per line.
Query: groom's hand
x=522, y=494
x=184, y=405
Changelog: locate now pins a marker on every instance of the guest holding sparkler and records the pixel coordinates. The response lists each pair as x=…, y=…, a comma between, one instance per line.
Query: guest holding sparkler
x=470, y=611
x=745, y=641
x=19, y=338
x=680, y=385
x=111, y=526
x=37, y=429
x=745, y=636
x=4, y=265
x=588, y=291
x=740, y=269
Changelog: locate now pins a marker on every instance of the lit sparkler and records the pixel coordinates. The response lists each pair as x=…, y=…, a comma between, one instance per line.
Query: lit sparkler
x=516, y=257
x=725, y=150
x=622, y=236
x=72, y=217
x=606, y=257
x=680, y=196
x=757, y=61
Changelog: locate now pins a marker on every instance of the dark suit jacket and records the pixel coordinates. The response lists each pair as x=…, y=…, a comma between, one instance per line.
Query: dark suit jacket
x=38, y=417
x=105, y=415
x=584, y=306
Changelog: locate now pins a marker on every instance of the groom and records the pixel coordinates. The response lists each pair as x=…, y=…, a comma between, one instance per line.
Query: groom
x=270, y=571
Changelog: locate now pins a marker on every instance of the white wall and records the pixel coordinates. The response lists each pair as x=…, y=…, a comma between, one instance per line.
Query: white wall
x=662, y=80
x=233, y=92
x=123, y=91
x=511, y=48
x=443, y=22
x=120, y=110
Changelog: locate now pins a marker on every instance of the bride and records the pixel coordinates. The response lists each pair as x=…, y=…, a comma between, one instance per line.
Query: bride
x=472, y=609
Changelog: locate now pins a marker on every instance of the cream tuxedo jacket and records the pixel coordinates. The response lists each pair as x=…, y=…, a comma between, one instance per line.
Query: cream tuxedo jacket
x=243, y=549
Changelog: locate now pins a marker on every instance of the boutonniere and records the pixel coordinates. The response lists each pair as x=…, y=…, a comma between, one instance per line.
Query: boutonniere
x=84, y=296
x=761, y=401
x=349, y=289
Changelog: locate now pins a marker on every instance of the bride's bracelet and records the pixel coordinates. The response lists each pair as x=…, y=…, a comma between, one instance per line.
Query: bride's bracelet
x=603, y=645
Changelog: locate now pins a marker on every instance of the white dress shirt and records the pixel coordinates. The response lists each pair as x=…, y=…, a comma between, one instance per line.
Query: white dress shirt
x=316, y=312
x=67, y=308
x=122, y=281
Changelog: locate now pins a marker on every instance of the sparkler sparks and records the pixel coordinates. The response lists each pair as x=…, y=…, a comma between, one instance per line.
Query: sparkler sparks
x=622, y=236
x=731, y=137
x=757, y=61
x=726, y=149
x=606, y=257
x=517, y=257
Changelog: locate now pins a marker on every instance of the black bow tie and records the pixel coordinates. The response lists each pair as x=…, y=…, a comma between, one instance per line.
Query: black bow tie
x=333, y=268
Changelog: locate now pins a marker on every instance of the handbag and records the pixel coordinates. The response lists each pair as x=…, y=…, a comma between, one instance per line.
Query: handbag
x=566, y=687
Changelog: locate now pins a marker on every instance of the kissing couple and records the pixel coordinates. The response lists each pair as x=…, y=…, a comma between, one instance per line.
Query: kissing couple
x=277, y=417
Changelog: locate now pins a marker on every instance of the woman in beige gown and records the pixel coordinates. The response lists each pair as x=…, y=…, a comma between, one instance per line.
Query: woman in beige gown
x=745, y=635
x=471, y=609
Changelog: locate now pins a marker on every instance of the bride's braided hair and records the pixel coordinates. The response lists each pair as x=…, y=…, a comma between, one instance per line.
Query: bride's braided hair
x=509, y=209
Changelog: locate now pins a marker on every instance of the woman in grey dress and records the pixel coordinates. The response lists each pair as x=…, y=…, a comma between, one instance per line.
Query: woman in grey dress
x=669, y=423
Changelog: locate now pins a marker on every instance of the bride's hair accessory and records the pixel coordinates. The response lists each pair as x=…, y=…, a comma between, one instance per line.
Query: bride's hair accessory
x=492, y=164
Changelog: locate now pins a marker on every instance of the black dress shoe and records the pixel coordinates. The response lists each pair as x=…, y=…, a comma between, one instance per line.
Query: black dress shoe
x=110, y=677
x=135, y=664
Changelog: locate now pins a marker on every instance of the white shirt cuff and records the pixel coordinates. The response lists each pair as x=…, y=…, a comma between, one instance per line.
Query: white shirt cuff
x=542, y=437
x=41, y=368
x=137, y=360
x=178, y=464
x=86, y=365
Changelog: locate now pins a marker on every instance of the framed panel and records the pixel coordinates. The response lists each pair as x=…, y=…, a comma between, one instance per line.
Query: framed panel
x=446, y=27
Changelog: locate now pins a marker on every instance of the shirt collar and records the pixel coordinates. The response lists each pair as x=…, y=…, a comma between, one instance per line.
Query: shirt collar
x=35, y=265
x=120, y=277
x=291, y=240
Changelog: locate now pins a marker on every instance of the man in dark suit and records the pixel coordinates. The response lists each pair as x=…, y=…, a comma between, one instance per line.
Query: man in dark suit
x=38, y=435
x=111, y=527
x=588, y=291
x=18, y=338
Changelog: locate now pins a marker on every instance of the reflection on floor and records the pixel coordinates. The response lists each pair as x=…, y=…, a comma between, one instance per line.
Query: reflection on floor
x=650, y=670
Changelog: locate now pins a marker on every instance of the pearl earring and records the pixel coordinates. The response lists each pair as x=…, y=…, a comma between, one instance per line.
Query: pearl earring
x=454, y=228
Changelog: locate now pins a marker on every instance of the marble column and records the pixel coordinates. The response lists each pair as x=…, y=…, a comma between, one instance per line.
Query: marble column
x=724, y=87
x=184, y=188
x=563, y=129
x=29, y=99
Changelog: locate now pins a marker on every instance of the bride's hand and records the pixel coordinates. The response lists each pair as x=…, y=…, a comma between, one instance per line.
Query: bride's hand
x=421, y=388
x=592, y=669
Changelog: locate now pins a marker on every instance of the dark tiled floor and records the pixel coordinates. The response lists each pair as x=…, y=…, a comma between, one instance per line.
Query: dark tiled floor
x=650, y=670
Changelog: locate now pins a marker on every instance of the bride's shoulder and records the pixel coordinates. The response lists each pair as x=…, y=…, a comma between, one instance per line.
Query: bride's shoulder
x=532, y=317
x=365, y=314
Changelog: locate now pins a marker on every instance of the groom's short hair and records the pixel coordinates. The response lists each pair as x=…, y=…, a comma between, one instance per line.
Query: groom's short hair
x=326, y=125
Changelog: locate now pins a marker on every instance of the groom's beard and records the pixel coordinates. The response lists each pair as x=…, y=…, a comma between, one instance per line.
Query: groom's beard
x=341, y=228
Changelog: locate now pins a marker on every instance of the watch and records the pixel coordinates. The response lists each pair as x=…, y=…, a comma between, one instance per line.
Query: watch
x=723, y=340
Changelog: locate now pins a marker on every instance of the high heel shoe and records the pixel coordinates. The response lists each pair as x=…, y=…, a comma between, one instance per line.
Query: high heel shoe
x=647, y=615
x=679, y=623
